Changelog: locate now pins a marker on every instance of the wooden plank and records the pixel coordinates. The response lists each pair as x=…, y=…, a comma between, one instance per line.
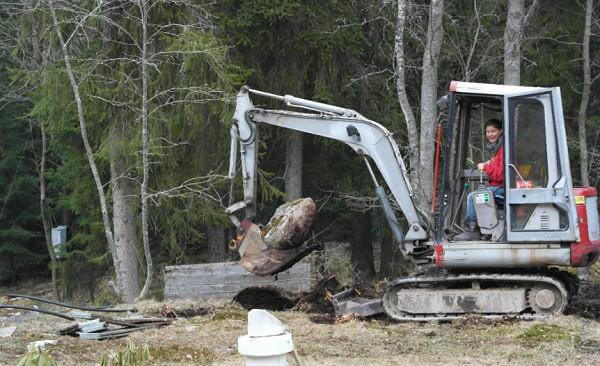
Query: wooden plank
x=225, y=280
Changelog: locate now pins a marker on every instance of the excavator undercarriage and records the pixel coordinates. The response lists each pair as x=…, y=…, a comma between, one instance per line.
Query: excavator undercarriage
x=488, y=295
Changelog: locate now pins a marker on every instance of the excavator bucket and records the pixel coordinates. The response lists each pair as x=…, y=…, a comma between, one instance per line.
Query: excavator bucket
x=282, y=242
x=261, y=260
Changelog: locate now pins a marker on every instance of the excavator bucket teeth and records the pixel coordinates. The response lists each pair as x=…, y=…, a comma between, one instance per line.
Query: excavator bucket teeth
x=259, y=259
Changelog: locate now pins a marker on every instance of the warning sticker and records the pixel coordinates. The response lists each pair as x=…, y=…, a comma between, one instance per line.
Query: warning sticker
x=483, y=197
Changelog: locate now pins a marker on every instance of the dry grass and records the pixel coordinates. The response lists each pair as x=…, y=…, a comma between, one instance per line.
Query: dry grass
x=211, y=339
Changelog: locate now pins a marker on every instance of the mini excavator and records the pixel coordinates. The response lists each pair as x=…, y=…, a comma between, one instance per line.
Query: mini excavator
x=542, y=224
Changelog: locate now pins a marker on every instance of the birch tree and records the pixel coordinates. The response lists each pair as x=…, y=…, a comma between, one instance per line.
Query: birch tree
x=517, y=18
x=585, y=94
x=125, y=264
x=421, y=136
x=143, y=8
x=144, y=52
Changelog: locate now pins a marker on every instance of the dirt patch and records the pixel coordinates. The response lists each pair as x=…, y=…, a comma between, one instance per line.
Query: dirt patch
x=586, y=303
x=268, y=298
x=322, y=318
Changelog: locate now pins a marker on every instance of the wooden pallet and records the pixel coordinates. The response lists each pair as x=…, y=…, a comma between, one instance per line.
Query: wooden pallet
x=225, y=280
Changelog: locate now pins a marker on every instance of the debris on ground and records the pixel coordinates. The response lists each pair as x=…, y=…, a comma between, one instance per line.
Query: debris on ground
x=106, y=328
x=7, y=331
x=40, y=345
x=98, y=327
x=349, y=302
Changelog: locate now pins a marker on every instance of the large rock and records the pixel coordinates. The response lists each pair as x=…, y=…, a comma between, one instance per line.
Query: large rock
x=290, y=225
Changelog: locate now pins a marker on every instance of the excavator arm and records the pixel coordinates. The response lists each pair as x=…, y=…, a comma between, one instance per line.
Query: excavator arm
x=366, y=137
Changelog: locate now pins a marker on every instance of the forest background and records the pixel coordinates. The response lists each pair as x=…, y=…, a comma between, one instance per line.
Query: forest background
x=115, y=118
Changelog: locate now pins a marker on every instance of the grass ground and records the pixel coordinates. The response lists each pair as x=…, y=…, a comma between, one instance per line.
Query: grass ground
x=211, y=339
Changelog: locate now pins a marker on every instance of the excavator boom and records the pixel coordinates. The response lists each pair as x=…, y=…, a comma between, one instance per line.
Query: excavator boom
x=367, y=138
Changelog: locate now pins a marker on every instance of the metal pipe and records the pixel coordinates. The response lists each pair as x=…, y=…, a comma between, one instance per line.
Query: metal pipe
x=38, y=310
x=101, y=309
x=371, y=171
x=265, y=94
x=388, y=211
x=233, y=151
x=293, y=101
x=390, y=216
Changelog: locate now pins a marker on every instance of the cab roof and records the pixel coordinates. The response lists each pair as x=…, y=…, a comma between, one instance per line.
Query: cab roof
x=490, y=89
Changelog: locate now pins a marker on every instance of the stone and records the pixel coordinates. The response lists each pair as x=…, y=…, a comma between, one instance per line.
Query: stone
x=290, y=225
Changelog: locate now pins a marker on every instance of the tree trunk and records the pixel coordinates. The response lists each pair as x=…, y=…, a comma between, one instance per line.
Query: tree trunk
x=584, y=272
x=362, y=247
x=43, y=211
x=125, y=264
x=409, y=117
x=431, y=55
x=387, y=254
x=421, y=143
x=585, y=96
x=36, y=64
x=293, y=166
x=145, y=150
x=125, y=204
x=216, y=244
x=513, y=33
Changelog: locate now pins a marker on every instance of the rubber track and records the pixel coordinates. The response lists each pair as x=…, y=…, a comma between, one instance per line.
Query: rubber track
x=525, y=279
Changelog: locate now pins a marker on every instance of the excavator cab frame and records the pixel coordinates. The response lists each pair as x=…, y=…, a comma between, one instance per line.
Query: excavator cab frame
x=537, y=208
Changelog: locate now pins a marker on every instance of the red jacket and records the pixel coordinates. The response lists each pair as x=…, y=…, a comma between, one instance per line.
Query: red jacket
x=495, y=169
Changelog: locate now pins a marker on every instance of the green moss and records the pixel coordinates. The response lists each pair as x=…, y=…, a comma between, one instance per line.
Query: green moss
x=544, y=333
x=229, y=314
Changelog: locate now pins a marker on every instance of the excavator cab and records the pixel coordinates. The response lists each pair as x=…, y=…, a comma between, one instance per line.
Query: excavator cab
x=539, y=204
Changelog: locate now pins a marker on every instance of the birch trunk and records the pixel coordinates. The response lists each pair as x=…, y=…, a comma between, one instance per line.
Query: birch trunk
x=145, y=147
x=293, y=166
x=84, y=137
x=585, y=95
x=125, y=204
x=512, y=42
x=431, y=55
x=584, y=272
x=43, y=211
x=409, y=117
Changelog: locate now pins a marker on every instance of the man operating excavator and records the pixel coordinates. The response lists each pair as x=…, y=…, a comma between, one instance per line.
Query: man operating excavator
x=494, y=168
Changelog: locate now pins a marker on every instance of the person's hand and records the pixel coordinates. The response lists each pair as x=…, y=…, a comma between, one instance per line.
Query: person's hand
x=480, y=166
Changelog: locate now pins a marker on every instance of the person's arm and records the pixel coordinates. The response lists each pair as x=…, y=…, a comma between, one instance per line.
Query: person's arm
x=494, y=168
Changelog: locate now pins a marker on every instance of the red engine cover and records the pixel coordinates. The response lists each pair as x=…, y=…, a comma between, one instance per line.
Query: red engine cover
x=584, y=252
